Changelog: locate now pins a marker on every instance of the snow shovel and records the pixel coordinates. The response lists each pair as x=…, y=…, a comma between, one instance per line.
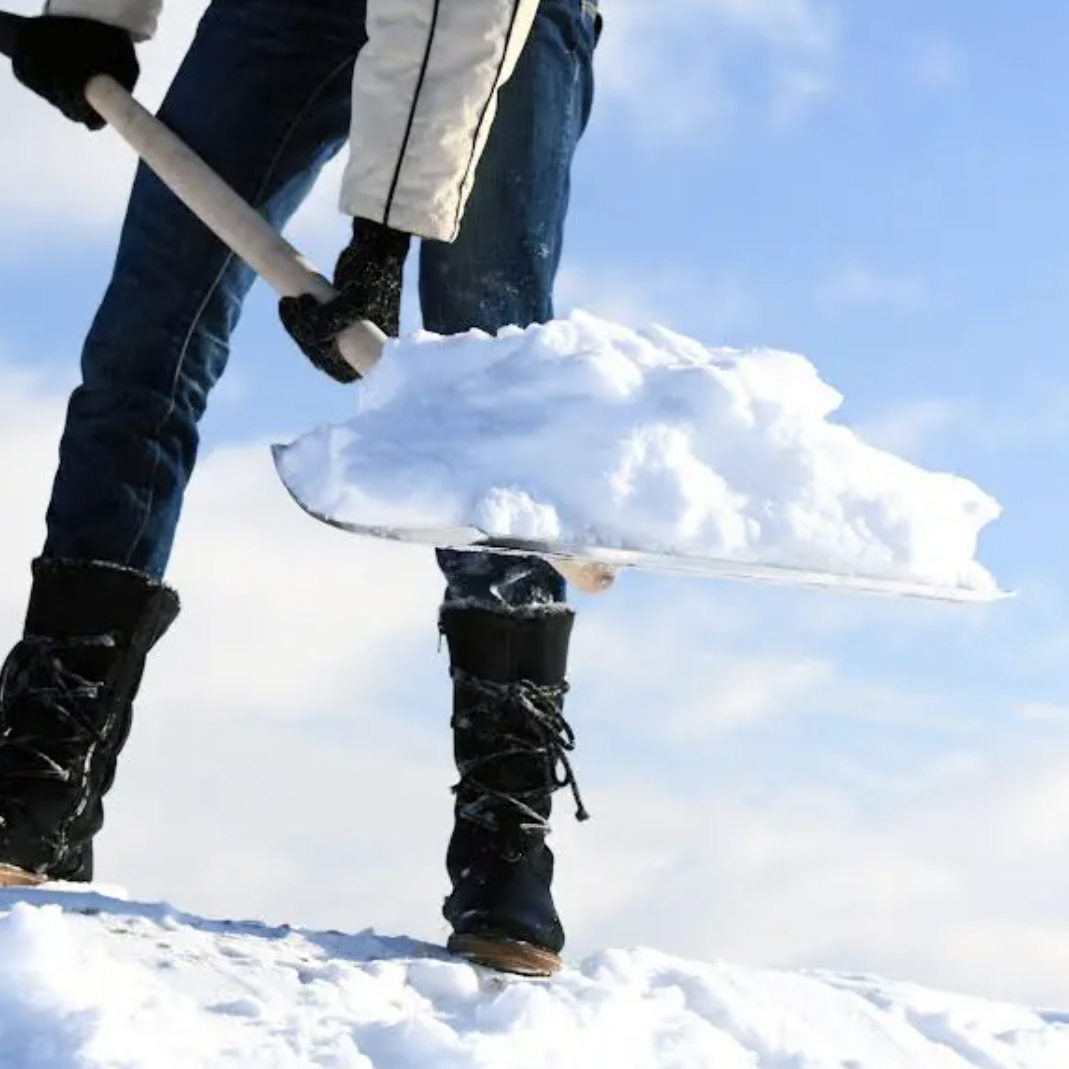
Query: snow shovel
x=251, y=237
x=591, y=569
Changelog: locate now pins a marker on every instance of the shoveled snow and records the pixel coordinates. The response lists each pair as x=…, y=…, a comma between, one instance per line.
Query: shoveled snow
x=89, y=981
x=584, y=432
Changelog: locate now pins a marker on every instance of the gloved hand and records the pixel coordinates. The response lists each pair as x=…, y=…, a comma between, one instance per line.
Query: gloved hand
x=56, y=55
x=368, y=279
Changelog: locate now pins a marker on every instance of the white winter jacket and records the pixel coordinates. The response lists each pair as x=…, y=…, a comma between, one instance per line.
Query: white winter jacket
x=424, y=97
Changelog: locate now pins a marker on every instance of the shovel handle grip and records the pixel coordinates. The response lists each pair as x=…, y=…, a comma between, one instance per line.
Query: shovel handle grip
x=591, y=577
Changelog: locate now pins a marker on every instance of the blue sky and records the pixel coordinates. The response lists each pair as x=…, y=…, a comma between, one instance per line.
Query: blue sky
x=777, y=777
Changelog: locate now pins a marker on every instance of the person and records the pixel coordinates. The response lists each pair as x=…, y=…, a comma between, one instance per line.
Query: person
x=463, y=118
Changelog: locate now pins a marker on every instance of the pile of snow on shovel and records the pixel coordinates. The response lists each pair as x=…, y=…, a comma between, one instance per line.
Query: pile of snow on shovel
x=585, y=432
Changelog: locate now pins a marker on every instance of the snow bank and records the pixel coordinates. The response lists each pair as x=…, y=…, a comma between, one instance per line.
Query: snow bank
x=93, y=982
x=584, y=432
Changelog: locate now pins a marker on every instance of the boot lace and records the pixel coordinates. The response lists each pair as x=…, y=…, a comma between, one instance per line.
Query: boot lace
x=43, y=707
x=542, y=732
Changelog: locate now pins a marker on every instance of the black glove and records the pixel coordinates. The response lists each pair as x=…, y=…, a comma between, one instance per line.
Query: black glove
x=56, y=55
x=368, y=280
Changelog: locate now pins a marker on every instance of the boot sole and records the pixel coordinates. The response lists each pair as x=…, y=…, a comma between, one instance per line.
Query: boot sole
x=505, y=955
x=13, y=877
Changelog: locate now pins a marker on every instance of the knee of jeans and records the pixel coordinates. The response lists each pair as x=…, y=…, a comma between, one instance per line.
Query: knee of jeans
x=159, y=336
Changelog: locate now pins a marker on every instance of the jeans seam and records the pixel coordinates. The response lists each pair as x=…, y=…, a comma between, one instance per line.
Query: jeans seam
x=199, y=314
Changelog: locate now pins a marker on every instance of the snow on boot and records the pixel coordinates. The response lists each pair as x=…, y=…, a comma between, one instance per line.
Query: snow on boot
x=509, y=740
x=66, y=702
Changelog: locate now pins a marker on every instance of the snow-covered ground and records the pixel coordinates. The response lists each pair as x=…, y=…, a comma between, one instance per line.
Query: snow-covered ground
x=91, y=980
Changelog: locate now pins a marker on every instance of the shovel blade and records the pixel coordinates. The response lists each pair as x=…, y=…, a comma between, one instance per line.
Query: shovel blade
x=613, y=560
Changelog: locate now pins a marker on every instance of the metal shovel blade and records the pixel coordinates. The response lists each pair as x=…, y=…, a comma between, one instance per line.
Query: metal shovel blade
x=612, y=561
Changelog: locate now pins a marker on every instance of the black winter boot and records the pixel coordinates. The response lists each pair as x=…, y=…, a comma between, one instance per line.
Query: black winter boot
x=509, y=739
x=66, y=701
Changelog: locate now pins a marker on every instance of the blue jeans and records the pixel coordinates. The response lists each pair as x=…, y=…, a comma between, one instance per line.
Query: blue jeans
x=264, y=95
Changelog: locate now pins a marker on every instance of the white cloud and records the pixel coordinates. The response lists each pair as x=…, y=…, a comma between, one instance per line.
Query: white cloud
x=291, y=757
x=702, y=688
x=1047, y=711
x=1036, y=418
x=937, y=66
x=862, y=285
x=797, y=90
x=718, y=307
x=761, y=826
x=907, y=427
x=960, y=882
x=319, y=229
x=748, y=691
x=1032, y=417
x=701, y=64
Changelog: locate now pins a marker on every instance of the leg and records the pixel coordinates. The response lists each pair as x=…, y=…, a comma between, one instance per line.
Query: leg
x=502, y=267
x=507, y=629
x=264, y=96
